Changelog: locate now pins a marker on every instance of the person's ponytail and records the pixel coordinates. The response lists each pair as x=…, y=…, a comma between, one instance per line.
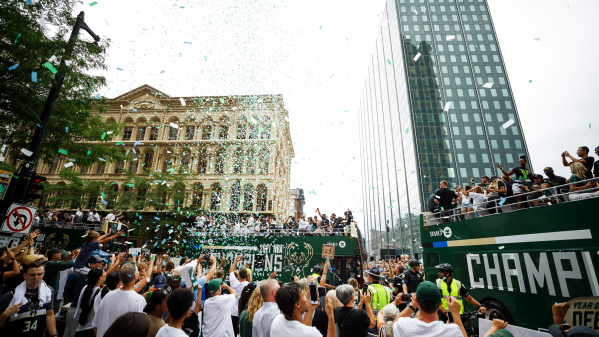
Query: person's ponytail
x=86, y=304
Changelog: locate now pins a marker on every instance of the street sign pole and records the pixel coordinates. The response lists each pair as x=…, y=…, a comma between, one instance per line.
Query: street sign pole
x=18, y=188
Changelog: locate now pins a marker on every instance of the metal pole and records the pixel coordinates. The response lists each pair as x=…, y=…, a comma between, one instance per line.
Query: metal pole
x=25, y=172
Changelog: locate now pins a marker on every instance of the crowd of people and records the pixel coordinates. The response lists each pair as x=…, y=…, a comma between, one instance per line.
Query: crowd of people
x=149, y=295
x=56, y=217
x=518, y=188
x=318, y=225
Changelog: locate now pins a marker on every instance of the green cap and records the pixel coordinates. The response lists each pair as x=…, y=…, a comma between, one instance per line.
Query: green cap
x=428, y=295
x=213, y=286
x=502, y=333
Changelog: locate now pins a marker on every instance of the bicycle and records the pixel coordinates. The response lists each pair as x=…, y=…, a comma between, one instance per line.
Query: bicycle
x=467, y=317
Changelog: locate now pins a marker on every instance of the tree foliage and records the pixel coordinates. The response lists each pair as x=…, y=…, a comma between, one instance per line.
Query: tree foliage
x=30, y=35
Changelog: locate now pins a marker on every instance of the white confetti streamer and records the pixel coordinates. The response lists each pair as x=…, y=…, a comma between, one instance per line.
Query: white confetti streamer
x=508, y=123
x=447, y=106
x=417, y=57
x=488, y=85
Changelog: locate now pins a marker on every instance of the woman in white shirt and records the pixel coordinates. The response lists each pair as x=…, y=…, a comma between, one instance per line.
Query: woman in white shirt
x=478, y=197
x=89, y=301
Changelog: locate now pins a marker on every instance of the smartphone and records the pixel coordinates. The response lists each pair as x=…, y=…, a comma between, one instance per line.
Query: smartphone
x=365, y=288
x=322, y=291
x=313, y=293
x=207, y=257
x=406, y=297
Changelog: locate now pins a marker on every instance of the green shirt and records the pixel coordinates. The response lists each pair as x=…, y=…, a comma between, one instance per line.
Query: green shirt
x=245, y=326
x=574, y=178
x=52, y=272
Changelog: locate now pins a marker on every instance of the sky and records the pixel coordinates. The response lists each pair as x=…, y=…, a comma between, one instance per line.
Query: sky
x=315, y=53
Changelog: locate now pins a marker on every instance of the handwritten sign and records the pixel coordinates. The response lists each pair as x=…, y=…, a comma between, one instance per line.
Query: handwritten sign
x=328, y=252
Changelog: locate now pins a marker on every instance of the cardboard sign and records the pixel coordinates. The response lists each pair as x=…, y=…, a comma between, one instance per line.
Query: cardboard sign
x=18, y=219
x=584, y=311
x=5, y=177
x=484, y=325
x=328, y=252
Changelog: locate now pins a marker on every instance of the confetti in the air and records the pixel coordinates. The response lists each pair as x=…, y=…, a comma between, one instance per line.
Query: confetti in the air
x=508, y=124
x=488, y=85
x=13, y=67
x=33, y=76
x=26, y=152
x=450, y=37
x=417, y=57
x=447, y=106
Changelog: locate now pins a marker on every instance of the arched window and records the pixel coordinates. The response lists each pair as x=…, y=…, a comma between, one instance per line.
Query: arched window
x=197, y=194
x=242, y=128
x=128, y=130
x=221, y=156
x=263, y=161
x=238, y=161
x=203, y=160
x=112, y=195
x=155, y=128
x=134, y=164
x=261, y=194
x=173, y=130
x=215, y=196
x=148, y=160
x=251, y=162
x=207, y=128
x=140, y=134
x=120, y=166
x=223, y=127
x=179, y=195
x=248, y=198
x=265, y=134
x=235, y=196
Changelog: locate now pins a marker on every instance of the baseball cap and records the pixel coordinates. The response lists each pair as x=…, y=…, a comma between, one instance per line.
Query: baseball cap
x=159, y=281
x=33, y=258
x=428, y=294
x=548, y=169
x=214, y=284
x=501, y=333
x=577, y=331
x=94, y=259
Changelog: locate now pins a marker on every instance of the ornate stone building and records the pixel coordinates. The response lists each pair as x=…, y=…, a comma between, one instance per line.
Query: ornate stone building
x=236, y=150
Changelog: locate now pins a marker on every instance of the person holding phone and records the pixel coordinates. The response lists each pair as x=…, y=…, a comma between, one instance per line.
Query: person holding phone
x=352, y=321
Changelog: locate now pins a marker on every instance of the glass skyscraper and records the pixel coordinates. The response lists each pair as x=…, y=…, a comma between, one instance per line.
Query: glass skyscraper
x=436, y=105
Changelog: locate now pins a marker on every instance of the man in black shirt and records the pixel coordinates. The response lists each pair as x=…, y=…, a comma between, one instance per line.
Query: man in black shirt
x=554, y=180
x=596, y=165
x=444, y=198
x=523, y=175
x=583, y=153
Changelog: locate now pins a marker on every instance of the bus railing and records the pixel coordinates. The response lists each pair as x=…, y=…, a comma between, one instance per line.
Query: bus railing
x=215, y=231
x=510, y=204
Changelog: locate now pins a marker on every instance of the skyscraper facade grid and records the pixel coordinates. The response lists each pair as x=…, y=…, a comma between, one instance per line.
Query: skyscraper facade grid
x=436, y=105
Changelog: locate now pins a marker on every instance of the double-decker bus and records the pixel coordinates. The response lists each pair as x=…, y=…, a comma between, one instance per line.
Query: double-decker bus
x=518, y=263
x=288, y=254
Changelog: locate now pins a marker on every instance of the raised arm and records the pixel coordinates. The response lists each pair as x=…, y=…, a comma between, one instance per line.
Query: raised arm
x=15, y=266
x=234, y=263
x=142, y=283
x=106, y=239
x=116, y=265
x=212, y=269
x=503, y=171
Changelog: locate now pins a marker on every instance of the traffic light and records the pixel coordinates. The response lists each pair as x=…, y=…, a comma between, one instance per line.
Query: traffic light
x=35, y=185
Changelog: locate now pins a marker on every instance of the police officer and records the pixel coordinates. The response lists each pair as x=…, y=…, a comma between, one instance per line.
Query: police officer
x=380, y=295
x=411, y=278
x=452, y=287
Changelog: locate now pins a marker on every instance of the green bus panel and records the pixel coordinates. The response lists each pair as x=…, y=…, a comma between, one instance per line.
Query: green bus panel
x=287, y=255
x=524, y=261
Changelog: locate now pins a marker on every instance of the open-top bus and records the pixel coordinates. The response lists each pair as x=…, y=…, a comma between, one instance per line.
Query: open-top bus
x=519, y=263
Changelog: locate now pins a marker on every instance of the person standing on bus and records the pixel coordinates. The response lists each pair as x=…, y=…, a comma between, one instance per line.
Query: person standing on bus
x=523, y=175
x=380, y=296
x=450, y=287
x=411, y=278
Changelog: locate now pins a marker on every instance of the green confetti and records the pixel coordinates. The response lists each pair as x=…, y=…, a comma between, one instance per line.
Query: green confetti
x=119, y=143
x=530, y=81
x=103, y=195
x=18, y=36
x=407, y=130
x=103, y=136
x=88, y=152
x=388, y=61
x=50, y=67
x=62, y=151
x=222, y=100
x=91, y=4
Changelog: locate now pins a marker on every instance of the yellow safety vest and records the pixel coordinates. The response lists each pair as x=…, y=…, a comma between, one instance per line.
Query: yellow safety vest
x=455, y=292
x=379, y=296
x=315, y=276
